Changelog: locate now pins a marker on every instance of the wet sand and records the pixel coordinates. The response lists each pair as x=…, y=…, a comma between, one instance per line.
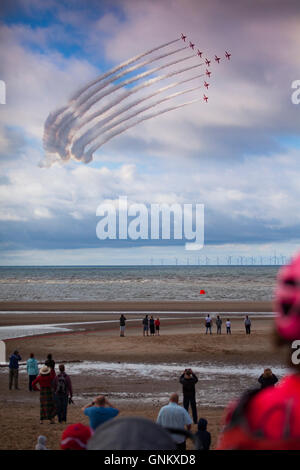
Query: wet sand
x=182, y=341
x=175, y=306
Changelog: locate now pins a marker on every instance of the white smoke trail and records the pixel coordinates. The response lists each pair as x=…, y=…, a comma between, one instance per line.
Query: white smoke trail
x=61, y=148
x=53, y=133
x=111, y=116
x=86, y=105
x=53, y=117
x=121, y=66
x=88, y=156
x=85, y=97
x=78, y=147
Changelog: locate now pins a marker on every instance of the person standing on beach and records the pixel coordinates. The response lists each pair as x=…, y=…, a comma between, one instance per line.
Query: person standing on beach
x=14, y=369
x=188, y=381
x=176, y=417
x=122, y=325
x=47, y=405
x=99, y=411
x=152, y=326
x=145, y=326
x=49, y=362
x=32, y=370
x=219, y=324
x=247, y=325
x=208, y=322
x=157, y=326
x=62, y=386
x=228, y=327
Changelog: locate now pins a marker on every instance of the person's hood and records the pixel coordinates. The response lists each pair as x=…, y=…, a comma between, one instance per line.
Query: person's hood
x=202, y=424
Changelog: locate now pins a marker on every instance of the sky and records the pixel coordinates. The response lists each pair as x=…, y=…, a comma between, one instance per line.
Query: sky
x=238, y=154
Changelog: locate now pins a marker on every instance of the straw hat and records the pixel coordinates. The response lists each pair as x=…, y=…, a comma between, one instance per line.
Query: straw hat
x=45, y=370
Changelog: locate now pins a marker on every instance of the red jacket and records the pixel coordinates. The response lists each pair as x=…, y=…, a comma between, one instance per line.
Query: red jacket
x=43, y=381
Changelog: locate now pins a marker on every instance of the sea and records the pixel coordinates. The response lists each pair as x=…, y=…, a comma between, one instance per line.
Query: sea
x=137, y=283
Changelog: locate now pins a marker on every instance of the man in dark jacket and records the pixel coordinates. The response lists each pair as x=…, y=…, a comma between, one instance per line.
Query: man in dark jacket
x=267, y=379
x=14, y=369
x=188, y=380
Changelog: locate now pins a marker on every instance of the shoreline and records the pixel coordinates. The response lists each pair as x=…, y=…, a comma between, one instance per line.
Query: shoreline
x=136, y=306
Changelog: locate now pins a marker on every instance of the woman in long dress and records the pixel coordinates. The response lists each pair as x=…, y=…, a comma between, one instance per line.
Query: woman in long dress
x=44, y=380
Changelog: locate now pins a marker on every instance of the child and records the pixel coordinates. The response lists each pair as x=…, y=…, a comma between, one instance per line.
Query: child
x=228, y=326
x=203, y=435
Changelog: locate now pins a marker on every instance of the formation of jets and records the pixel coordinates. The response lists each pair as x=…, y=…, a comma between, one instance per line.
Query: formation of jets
x=207, y=62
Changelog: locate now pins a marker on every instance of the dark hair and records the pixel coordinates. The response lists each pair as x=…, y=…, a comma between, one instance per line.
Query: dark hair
x=31, y=355
x=49, y=356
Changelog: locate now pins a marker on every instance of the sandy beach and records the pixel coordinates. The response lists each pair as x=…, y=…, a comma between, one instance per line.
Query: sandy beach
x=137, y=373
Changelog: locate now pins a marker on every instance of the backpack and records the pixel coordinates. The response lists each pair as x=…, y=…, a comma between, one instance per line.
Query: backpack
x=61, y=387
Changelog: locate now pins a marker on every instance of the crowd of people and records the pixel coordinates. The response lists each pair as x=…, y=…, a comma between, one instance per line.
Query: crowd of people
x=151, y=326
x=56, y=393
x=266, y=417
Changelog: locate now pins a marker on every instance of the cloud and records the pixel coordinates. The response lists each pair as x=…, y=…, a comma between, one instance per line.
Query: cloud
x=232, y=154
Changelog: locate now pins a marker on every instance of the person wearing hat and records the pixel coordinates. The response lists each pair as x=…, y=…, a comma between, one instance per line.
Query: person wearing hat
x=14, y=369
x=269, y=419
x=75, y=437
x=99, y=411
x=47, y=406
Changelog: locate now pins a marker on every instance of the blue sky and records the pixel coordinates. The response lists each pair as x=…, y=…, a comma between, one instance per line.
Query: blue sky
x=238, y=155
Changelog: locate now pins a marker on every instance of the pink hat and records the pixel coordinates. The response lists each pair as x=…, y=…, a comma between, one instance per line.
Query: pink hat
x=75, y=437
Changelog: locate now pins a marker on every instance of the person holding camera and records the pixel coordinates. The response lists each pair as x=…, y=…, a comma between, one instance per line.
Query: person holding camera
x=188, y=381
x=99, y=411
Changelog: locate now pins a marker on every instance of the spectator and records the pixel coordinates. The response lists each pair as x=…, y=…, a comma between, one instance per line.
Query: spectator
x=152, y=326
x=203, y=435
x=174, y=416
x=228, y=327
x=14, y=369
x=247, y=325
x=208, y=322
x=157, y=326
x=41, y=443
x=122, y=325
x=267, y=379
x=188, y=381
x=219, y=325
x=47, y=405
x=99, y=411
x=75, y=437
x=32, y=370
x=62, y=386
x=50, y=363
x=145, y=326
